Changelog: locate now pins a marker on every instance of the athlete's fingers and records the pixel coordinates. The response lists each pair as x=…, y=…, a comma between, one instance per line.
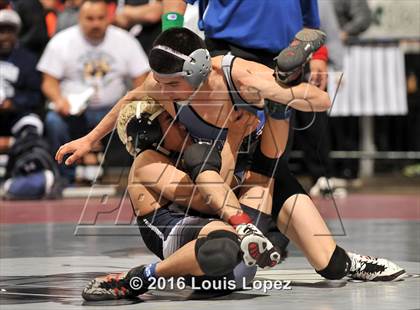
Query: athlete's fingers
x=76, y=156
x=323, y=81
x=63, y=150
x=315, y=78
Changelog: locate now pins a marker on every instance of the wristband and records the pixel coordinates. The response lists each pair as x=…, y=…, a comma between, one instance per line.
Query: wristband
x=321, y=54
x=172, y=20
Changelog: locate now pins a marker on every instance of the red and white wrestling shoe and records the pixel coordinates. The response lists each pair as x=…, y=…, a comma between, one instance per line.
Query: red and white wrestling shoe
x=257, y=248
x=117, y=286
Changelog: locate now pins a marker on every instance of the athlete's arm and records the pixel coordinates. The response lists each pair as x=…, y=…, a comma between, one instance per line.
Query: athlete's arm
x=173, y=13
x=256, y=83
x=81, y=146
x=241, y=125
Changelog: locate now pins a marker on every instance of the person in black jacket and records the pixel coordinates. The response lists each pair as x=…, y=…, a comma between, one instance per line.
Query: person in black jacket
x=21, y=129
x=142, y=18
x=20, y=82
x=33, y=33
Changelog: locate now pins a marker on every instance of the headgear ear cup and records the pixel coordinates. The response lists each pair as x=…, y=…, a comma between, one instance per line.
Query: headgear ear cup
x=137, y=125
x=196, y=67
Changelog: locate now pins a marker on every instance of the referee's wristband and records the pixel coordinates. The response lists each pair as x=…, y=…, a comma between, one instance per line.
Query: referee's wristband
x=172, y=20
x=321, y=54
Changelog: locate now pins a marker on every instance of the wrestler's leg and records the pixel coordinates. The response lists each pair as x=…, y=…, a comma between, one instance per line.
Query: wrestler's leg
x=153, y=176
x=255, y=192
x=296, y=214
x=299, y=219
x=184, y=261
x=215, y=252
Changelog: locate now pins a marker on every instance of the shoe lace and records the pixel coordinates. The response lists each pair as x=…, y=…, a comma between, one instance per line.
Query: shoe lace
x=248, y=229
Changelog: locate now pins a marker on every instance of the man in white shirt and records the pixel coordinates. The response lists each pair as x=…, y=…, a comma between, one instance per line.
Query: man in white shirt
x=89, y=62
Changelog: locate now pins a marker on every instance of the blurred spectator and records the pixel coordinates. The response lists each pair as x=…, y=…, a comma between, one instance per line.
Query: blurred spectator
x=50, y=12
x=331, y=27
x=49, y=4
x=69, y=16
x=4, y=4
x=19, y=81
x=31, y=171
x=34, y=33
x=86, y=65
x=412, y=121
x=354, y=17
x=143, y=17
x=322, y=166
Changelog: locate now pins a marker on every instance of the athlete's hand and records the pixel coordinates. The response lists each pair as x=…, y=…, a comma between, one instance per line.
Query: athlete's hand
x=77, y=148
x=242, y=123
x=319, y=73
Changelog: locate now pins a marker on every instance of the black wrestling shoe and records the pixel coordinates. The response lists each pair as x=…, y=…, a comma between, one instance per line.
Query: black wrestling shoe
x=369, y=268
x=291, y=61
x=117, y=286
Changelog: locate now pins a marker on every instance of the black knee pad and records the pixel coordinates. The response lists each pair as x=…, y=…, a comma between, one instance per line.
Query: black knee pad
x=218, y=253
x=201, y=157
x=338, y=267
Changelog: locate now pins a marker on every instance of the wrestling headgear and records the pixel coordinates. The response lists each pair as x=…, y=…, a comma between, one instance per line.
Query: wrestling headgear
x=138, y=127
x=196, y=68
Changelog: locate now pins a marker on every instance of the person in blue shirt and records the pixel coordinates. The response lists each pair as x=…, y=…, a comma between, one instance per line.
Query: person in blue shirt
x=253, y=30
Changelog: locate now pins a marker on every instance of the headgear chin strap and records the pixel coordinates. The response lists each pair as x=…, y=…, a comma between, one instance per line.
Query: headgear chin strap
x=196, y=68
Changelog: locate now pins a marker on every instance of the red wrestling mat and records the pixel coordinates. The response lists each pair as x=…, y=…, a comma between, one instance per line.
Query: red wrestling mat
x=114, y=210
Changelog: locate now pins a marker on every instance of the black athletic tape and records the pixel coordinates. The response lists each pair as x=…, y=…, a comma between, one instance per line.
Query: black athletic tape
x=277, y=110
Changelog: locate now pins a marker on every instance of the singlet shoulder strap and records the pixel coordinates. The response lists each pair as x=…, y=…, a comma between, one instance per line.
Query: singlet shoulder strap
x=237, y=100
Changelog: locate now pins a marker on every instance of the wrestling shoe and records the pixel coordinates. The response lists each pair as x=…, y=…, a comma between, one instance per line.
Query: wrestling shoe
x=291, y=61
x=256, y=247
x=331, y=187
x=117, y=286
x=369, y=268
